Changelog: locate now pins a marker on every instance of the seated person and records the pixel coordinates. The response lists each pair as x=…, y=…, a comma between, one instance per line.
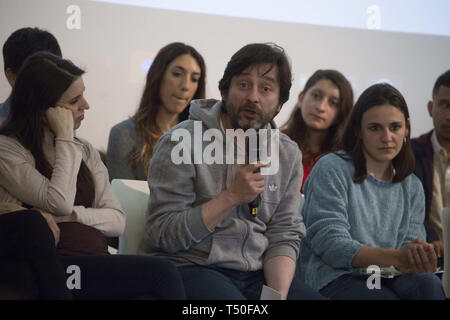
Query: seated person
x=432, y=151
x=198, y=215
x=364, y=207
x=29, y=265
x=45, y=168
x=176, y=76
x=21, y=44
x=317, y=121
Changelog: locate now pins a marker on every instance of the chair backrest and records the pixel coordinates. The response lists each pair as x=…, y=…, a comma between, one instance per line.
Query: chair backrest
x=133, y=196
x=445, y=220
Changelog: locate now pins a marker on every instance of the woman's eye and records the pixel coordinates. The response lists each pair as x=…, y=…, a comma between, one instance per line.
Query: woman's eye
x=316, y=96
x=334, y=104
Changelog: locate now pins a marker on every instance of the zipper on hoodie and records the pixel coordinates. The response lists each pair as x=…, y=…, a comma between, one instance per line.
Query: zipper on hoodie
x=228, y=181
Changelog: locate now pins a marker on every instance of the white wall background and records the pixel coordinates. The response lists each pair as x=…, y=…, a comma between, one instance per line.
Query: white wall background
x=111, y=41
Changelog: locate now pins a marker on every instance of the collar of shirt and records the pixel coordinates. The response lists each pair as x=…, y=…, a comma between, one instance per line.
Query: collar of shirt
x=437, y=148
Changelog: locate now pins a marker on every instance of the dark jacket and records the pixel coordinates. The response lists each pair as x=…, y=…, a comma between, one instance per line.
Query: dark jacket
x=423, y=151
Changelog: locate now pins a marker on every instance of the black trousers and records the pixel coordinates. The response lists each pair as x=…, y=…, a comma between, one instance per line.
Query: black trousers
x=31, y=269
x=29, y=265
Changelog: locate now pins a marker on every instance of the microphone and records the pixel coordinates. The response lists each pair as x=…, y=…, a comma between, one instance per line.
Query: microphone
x=253, y=205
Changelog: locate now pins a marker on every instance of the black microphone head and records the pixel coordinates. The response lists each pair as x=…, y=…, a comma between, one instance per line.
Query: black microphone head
x=252, y=145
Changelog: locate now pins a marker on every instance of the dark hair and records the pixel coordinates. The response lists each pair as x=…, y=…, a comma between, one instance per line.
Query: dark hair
x=296, y=127
x=23, y=43
x=259, y=53
x=443, y=80
x=377, y=95
x=145, y=117
x=41, y=82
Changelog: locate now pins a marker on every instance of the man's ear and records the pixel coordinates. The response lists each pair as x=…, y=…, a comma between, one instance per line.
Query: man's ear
x=10, y=76
x=430, y=108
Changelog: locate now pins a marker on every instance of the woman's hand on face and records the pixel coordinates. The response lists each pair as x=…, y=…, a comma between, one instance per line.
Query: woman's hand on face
x=60, y=121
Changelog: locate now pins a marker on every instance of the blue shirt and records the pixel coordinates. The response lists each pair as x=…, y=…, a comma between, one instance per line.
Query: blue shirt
x=341, y=216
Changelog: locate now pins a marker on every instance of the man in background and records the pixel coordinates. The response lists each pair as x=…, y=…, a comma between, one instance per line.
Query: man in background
x=18, y=47
x=432, y=151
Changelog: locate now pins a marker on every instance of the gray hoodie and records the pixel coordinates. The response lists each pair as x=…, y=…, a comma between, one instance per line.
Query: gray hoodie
x=175, y=228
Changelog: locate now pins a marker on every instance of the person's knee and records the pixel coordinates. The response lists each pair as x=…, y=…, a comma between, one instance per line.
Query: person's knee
x=430, y=286
x=32, y=234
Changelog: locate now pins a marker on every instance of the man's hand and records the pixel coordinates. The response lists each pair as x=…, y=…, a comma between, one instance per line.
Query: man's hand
x=247, y=183
x=245, y=187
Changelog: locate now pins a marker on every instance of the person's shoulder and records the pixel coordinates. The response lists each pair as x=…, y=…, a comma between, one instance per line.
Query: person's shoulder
x=335, y=159
x=88, y=149
x=179, y=129
x=86, y=144
x=412, y=182
x=421, y=141
x=126, y=125
x=125, y=130
x=288, y=148
x=11, y=148
x=7, y=142
x=336, y=163
x=284, y=138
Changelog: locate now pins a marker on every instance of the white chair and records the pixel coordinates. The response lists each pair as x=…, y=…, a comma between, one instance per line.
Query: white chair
x=133, y=196
x=445, y=220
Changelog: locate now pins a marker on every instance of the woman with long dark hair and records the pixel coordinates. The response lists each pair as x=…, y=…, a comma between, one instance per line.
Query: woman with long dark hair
x=45, y=169
x=317, y=122
x=365, y=209
x=176, y=76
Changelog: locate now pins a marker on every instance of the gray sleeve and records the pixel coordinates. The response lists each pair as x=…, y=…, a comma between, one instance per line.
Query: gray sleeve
x=286, y=228
x=121, y=145
x=173, y=223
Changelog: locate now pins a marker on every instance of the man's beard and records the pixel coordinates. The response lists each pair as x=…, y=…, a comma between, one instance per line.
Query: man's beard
x=238, y=120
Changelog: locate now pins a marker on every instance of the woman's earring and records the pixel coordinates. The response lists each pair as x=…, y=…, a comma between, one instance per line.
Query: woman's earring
x=404, y=140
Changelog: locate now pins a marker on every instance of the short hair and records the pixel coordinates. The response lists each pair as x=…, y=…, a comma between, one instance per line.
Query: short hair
x=259, y=53
x=443, y=80
x=377, y=95
x=24, y=42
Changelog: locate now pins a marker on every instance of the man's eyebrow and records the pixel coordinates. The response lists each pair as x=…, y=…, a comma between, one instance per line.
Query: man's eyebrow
x=270, y=79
